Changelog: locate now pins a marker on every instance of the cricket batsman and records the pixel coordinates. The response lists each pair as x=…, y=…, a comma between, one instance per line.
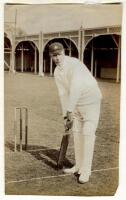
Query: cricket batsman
x=80, y=99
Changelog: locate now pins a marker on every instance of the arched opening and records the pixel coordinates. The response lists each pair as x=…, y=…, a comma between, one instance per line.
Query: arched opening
x=101, y=56
x=70, y=49
x=27, y=57
x=7, y=52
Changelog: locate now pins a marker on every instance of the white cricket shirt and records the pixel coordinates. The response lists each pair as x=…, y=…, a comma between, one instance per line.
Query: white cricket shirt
x=76, y=85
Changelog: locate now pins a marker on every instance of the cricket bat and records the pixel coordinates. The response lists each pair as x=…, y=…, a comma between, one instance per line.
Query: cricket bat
x=63, y=149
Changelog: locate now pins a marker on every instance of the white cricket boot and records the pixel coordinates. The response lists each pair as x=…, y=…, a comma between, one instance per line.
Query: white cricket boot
x=71, y=170
x=83, y=178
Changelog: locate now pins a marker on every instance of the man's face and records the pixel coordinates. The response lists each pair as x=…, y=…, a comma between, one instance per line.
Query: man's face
x=58, y=58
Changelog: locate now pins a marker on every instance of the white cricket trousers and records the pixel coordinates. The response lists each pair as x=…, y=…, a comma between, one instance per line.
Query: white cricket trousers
x=85, y=123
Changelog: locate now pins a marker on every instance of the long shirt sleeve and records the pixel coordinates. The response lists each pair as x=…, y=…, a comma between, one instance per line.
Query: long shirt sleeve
x=76, y=85
x=63, y=94
x=75, y=91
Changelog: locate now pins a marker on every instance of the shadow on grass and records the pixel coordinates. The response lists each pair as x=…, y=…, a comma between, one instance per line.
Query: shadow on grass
x=46, y=155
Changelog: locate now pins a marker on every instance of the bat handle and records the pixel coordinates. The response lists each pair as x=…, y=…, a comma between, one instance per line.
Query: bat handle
x=66, y=129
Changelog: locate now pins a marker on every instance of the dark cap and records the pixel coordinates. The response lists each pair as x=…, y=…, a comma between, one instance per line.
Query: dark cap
x=55, y=48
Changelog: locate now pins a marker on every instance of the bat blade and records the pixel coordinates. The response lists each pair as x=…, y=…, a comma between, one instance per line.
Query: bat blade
x=63, y=150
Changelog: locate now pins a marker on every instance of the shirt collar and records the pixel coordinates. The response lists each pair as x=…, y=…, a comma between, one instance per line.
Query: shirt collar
x=61, y=68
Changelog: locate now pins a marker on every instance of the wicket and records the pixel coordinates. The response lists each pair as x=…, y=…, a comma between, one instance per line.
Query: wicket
x=19, y=110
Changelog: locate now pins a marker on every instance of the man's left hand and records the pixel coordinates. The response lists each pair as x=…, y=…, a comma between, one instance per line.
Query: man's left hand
x=69, y=120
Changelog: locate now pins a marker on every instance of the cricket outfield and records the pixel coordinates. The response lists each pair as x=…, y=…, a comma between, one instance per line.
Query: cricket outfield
x=33, y=172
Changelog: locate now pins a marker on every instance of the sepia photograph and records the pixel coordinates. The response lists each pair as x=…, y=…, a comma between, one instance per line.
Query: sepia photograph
x=62, y=85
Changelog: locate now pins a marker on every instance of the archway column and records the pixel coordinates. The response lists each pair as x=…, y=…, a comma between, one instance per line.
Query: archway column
x=41, y=54
x=35, y=61
x=92, y=59
x=70, y=51
x=70, y=47
x=95, y=69
x=81, y=43
x=51, y=67
x=44, y=69
x=118, y=62
x=12, y=61
x=82, y=46
x=22, y=59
